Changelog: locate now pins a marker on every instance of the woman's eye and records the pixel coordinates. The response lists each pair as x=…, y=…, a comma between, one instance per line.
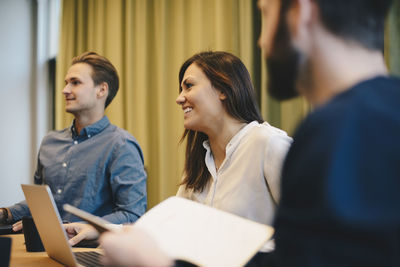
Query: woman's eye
x=75, y=82
x=188, y=85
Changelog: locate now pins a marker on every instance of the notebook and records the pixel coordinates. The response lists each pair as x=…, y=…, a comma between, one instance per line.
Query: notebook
x=203, y=235
x=196, y=233
x=49, y=225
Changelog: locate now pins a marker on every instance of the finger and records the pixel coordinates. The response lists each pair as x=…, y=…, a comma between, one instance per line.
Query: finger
x=71, y=234
x=17, y=223
x=76, y=239
x=70, y=230
x=17, y=226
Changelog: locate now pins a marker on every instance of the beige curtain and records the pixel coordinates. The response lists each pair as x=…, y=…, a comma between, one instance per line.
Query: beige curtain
x=392, y=39
x=147, y=41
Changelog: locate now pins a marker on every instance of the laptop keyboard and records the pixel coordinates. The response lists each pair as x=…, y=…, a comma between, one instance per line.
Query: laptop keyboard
x=88, y=258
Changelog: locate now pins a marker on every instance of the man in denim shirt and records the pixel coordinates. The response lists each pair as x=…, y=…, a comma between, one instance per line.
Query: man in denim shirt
x=92, y=164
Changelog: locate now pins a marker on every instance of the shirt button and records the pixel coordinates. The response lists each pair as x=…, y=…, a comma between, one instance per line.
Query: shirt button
x=59, y=191
x=75, y=142
x=89, y=136
x=64, y=164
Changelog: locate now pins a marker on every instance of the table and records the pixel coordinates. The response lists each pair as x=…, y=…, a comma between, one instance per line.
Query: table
x=19, y=256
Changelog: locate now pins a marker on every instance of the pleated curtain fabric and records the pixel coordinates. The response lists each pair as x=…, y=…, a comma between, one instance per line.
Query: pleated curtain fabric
x=392, y=39
x=147, y=41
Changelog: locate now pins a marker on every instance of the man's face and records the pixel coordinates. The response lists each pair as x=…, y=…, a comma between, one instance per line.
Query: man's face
x=79, y=91
x=281, y=58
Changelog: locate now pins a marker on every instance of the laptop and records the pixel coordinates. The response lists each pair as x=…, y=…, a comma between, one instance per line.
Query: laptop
x=49, y=225
x=6, y=229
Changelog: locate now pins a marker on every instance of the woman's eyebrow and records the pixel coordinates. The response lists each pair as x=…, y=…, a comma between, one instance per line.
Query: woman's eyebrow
x=186, y=81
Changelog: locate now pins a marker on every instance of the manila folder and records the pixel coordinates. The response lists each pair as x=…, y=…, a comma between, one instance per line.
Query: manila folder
x=203, y=235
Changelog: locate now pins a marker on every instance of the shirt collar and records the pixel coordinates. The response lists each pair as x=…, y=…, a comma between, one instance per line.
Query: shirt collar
x=91, y=130
x=235, y=139
x=230, y=147
x=234, y=142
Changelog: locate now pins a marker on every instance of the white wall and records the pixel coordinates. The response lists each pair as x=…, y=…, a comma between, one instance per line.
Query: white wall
x=27, y=41
x=16, y=54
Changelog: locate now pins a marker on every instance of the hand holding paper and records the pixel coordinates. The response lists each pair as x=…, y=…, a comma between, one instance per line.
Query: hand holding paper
x=178, y=228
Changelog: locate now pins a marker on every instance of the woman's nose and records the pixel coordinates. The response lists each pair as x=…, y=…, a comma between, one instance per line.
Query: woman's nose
x=180, y=99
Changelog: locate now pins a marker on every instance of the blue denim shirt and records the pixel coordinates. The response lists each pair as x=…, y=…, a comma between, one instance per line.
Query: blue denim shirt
x=100, y=170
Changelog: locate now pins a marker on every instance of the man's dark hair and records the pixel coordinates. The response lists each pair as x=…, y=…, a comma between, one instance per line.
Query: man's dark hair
x=103, y=71
x=361, y=21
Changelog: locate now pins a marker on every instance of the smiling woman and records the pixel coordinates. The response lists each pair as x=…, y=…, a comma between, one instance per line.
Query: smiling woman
x=233, y=158
x=199, y=97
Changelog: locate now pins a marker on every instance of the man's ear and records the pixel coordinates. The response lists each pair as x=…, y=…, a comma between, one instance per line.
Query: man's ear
x=102, y=90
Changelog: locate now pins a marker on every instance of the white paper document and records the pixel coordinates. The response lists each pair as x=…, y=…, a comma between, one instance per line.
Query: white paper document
x=203, y=235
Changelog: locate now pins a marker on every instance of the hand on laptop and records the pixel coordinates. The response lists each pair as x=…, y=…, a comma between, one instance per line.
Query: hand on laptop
x=132, y=247
x=17, y=226
x=77, y=232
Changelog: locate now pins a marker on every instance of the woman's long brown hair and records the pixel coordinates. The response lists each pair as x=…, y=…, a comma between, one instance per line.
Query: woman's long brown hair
x=228, y=74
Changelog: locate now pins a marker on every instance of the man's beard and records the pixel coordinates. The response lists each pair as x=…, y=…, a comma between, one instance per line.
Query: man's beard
x=282, y=65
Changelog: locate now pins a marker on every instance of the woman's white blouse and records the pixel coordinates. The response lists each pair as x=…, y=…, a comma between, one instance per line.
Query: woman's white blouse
x=254, y=154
